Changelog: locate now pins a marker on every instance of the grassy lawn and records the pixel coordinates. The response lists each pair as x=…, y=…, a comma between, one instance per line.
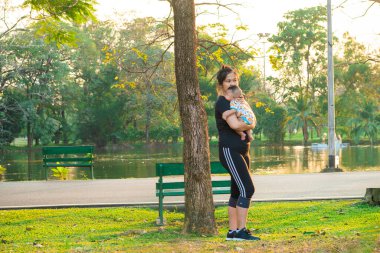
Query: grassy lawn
x=317, y=226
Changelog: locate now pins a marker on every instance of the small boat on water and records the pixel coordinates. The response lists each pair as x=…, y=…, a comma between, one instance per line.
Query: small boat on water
x=324, y=145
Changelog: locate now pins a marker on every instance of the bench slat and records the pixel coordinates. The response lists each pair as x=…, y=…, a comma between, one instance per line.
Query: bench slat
x=217, y=168
x=68, y=165
x=171, y=185
x=177, y=188
x=67, y=159
x=178, y=192
x=67, y=150
x=177, y=185
x=172, y=169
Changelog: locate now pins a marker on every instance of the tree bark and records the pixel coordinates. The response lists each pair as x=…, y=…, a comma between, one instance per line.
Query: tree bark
x=372, y=196
x=148, y=113
x=199, y=207
x=65, y=128
x=305, y=133
x=29, y=133
x=29, y=128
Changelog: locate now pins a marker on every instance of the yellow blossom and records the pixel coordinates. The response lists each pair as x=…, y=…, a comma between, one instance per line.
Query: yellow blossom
x=118, y=86
x=268, y=110
x=259, y=104
x=132, y=84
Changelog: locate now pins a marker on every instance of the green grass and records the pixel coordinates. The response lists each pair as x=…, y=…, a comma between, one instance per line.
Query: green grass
x=318, y=226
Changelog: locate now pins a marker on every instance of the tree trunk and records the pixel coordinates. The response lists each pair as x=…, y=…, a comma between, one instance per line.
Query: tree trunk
x=372, y=196
x=148, y=111
x=311, y=134
x=29, y=133
x=56, y=137
x=305, y=133
x=65, y=128
x=199, y=214
x=30, y=160
x=29, y=129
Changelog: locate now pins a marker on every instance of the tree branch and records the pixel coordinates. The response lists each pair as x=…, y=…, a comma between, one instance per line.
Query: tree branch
x=9, y=29
x=358, y=62
x=222, y=46
x=161, y=60
x=225, y=6
x=341, y=5
x=366, y=10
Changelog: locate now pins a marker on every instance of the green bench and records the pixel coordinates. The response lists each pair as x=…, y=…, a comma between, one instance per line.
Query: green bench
x=68, y=156
x=177, y=188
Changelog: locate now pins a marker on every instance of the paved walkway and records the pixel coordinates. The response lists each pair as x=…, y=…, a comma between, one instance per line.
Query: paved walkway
x=137, y=192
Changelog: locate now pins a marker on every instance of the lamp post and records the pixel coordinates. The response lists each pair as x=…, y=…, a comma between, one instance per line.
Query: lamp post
x=265, y=36
x=333, y=158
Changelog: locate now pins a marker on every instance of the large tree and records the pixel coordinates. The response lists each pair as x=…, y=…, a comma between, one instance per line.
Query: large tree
x=357, y=79
x=199, y=214
x=367, y=121
x=299, y=48
x=301, y=115
x=52, y=26
x=142, y=54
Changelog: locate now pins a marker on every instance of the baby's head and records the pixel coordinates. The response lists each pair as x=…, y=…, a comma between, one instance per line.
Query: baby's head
x=234, y=92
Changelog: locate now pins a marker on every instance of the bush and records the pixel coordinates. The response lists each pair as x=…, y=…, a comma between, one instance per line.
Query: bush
x=274, y=123
x=2, y=171
x=133, y=134
x=60, y=173
x=165, y=132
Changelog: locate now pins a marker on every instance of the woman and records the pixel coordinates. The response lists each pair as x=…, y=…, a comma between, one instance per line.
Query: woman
x=234, y=156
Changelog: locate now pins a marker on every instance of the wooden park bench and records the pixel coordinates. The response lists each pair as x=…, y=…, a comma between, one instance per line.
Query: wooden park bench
x=68, y=156
x=177, y=188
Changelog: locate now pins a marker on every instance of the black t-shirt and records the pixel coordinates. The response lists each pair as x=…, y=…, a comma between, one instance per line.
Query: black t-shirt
x=227, y=136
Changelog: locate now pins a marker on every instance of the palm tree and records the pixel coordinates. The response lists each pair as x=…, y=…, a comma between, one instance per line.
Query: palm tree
x=366, y=123
x=301, y=116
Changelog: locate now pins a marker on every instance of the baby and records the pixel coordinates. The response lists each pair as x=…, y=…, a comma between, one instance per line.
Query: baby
x=242, y=108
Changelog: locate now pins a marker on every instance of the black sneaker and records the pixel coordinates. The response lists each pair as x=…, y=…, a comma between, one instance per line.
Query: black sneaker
x=230, y=235
x=245, y=234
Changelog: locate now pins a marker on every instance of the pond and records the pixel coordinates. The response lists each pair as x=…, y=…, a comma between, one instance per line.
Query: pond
x=139, y=162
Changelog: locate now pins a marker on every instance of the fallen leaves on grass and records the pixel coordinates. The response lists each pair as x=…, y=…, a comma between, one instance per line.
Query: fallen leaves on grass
x=133, y=232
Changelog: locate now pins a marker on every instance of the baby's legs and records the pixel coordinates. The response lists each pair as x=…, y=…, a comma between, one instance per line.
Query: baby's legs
x=241, y=133
x=250, y=136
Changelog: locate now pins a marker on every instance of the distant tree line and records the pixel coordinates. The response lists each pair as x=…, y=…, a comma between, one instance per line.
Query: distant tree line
x=107, y=82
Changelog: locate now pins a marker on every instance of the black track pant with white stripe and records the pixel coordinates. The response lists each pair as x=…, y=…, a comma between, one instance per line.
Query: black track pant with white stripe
x=237, y=163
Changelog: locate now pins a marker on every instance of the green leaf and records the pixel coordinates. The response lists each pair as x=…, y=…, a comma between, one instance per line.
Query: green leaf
x=77, y=11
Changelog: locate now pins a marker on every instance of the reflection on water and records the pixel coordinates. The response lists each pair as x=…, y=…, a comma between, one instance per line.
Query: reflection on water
x=140, y=162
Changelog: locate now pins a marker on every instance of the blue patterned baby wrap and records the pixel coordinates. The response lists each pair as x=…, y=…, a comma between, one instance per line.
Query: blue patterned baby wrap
x=247, y=115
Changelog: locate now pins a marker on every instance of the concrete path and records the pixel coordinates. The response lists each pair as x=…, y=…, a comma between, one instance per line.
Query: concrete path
x=137, y=192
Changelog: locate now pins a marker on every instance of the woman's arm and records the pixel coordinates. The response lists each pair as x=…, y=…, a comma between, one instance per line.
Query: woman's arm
x=234, y=122
x=228, y=113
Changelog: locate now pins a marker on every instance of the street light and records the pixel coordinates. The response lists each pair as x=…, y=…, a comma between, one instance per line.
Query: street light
x=333, y=158
x=265, y=36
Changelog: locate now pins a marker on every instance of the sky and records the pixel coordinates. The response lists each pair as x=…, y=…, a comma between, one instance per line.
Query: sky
x=260, y=16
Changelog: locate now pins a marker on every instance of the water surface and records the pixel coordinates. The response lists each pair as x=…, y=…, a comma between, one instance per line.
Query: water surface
x=139, y=162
